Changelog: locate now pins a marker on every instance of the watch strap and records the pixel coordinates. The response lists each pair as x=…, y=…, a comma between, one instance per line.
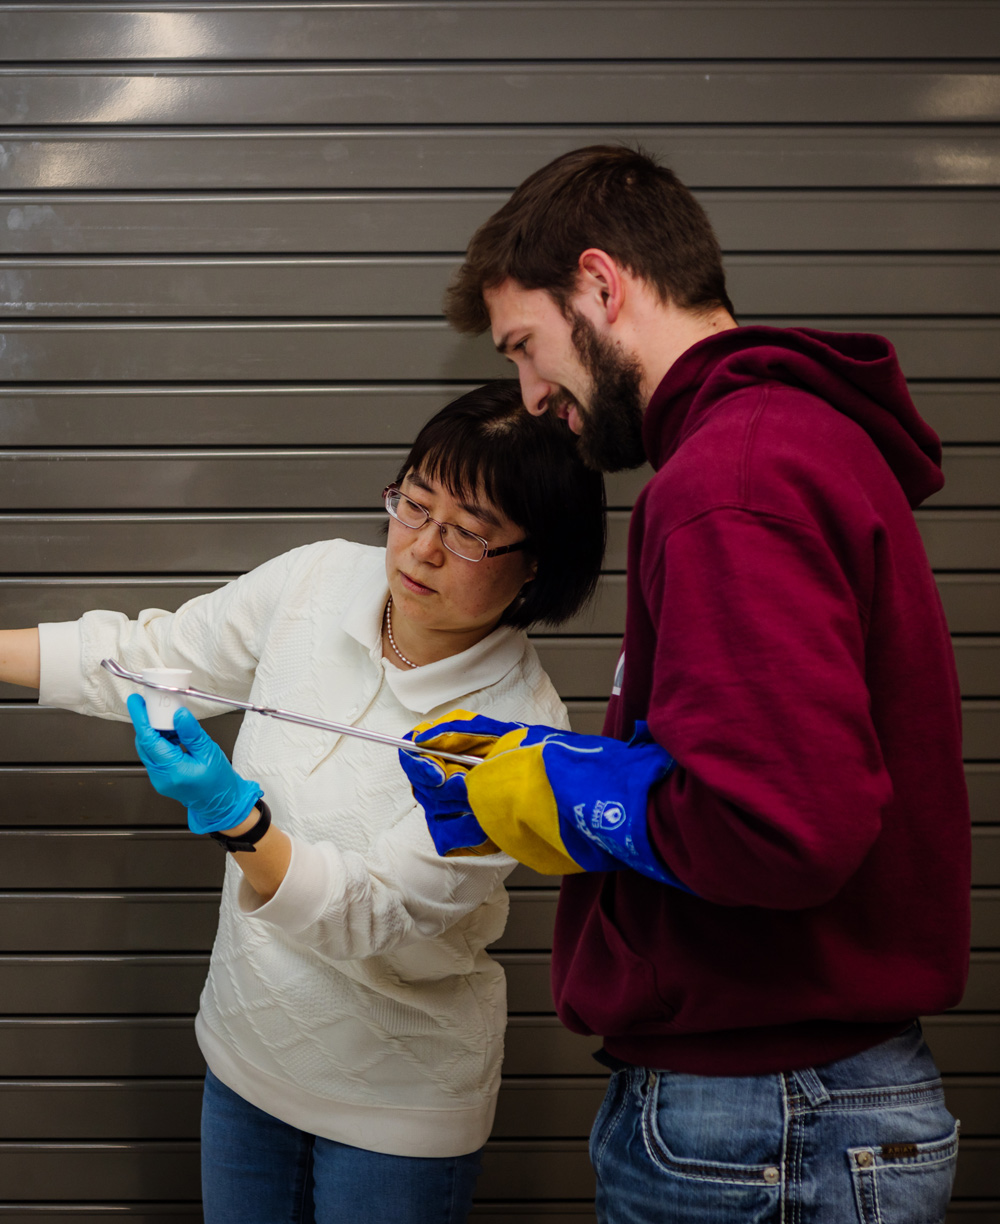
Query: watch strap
x=246, y=842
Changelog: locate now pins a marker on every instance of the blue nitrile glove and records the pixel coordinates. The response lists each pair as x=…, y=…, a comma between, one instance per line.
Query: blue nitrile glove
x=556, y=801
x=202, y=778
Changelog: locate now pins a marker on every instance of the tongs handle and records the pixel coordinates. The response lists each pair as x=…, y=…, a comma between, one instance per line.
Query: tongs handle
x=305, y=720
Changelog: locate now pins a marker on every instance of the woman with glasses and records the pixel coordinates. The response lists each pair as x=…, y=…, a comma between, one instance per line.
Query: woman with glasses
x=352, y=1020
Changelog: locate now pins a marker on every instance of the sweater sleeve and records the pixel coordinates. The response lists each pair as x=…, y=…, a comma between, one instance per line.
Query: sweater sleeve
x=759, y=693
x=349, y=906
x=217, y=636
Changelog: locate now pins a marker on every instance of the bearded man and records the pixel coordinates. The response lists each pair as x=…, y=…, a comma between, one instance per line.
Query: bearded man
x=766, y=853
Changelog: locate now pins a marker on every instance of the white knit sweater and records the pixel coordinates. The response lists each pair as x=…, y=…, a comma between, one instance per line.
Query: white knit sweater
x=359, y=1002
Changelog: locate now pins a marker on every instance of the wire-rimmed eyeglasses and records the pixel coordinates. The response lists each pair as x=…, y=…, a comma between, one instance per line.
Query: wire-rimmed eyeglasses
x=464, y=544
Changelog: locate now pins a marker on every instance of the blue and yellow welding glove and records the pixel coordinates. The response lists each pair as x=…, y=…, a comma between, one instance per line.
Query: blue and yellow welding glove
x=215, y=795
x=556, y=801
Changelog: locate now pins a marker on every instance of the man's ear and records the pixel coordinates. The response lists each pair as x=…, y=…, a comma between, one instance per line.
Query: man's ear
x=600, y=279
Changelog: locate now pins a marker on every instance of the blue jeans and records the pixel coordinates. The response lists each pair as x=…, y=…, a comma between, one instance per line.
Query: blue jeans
x=866, y=1140
x=258, y=1170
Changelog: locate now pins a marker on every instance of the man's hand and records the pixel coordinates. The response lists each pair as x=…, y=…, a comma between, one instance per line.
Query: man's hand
x=557, y=801
x=201, y=777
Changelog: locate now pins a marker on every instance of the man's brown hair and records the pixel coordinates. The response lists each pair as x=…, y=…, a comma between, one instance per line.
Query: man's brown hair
x=606, y=196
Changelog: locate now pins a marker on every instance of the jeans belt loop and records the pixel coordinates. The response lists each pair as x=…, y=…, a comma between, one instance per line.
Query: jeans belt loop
x=812, y=1086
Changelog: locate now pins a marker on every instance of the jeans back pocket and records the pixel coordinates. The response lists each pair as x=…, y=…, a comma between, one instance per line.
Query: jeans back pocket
x=904, y=1183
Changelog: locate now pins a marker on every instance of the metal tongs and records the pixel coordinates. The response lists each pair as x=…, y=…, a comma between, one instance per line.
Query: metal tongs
x=305, y=720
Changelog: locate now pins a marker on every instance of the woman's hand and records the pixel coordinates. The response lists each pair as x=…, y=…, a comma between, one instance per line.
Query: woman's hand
x=216, y=796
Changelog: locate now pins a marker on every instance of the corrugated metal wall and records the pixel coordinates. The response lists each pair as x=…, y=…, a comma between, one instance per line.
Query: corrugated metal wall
x=225, y=229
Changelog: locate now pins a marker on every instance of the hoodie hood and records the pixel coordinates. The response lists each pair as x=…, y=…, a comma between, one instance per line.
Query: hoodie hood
x=856, y=373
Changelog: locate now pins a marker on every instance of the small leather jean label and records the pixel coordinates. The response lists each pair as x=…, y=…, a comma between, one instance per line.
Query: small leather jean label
x=898, y=1151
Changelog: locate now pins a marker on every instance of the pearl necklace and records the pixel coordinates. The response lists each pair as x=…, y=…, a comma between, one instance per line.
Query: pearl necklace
x=392, y=640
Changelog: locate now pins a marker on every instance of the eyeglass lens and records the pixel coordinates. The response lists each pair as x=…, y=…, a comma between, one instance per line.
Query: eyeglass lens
x=456, y=539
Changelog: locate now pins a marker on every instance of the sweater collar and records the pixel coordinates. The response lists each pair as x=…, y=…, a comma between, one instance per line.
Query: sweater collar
x=422, y=689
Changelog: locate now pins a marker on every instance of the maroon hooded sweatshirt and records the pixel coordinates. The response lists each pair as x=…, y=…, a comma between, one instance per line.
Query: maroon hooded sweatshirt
x=786, y=643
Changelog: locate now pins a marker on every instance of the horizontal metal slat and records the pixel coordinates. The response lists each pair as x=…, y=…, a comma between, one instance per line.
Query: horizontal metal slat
x=546, y=1170
x=110, y=922
x=985, y=916
x=288, y=416
x=34, y=734
x=132, y=1109
x=37, y=734
x=978, y=662
x=147, y=922
x=27, y=601
x=423, y=349
x=137, y=1045
x=40, y=733
x=103, y=1046
x=980, y=728
x=960, y=413
x=500, y=91
x=161, y=985
x=274, y=222
x=337, y=285
x=164, y=543
x=961, y=541
x=389, y=414
x=972, y=477
x=325, y=479
x=369, y=159
x=207, y=543
x=971, y=601
x=459, y=30
x=964, y=1044
x=111, y=859
x=170, y=983
x=986, y=858
x=99, y=1046
x=101, y=1172
x=114, y=1213
x=983, y=781
x=416, y=349
x=100, y=800
x=976, y=1101
x=584, y=667
x=983, y=991
x=60, y=922
x=170, y=1110
x=226, y=479
x=978, y=1173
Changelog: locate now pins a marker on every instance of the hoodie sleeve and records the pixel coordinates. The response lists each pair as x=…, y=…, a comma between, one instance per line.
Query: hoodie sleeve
x=759, y=693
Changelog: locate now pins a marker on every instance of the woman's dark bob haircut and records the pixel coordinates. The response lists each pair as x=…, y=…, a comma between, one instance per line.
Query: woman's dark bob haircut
x=486, y=444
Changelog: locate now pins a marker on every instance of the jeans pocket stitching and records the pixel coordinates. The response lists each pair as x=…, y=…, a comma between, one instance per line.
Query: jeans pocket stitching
x=930, y=1155
x=614, y=1119
x=847, y=1099
x=697, y=1170
x=932, y=1152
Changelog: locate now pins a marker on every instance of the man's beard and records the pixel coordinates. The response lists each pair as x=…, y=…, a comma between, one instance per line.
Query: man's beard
x=611, y=439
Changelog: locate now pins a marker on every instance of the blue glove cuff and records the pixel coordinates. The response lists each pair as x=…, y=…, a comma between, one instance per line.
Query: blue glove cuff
x=243, y=804
x=603, y=800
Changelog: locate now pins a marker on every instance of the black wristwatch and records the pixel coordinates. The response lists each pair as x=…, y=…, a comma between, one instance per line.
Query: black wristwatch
x=247, y=841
